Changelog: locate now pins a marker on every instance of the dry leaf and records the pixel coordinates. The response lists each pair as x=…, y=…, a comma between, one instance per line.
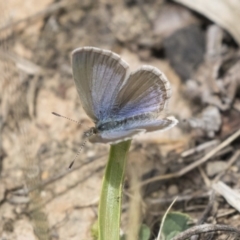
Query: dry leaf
x=224, y=12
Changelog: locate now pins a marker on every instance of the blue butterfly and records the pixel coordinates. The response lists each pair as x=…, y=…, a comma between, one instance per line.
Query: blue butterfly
x=121, y=103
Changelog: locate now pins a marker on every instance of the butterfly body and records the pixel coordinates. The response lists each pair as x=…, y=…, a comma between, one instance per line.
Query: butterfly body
x=122, y=104
x=126, y=123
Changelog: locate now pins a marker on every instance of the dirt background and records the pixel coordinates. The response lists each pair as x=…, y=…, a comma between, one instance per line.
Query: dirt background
x=198, y=51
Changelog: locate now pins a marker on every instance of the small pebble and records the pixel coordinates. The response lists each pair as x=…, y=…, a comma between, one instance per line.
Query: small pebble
x=215, y=167
x=172, y=190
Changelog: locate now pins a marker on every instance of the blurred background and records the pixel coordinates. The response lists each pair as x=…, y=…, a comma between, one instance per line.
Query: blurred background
x=196, y=45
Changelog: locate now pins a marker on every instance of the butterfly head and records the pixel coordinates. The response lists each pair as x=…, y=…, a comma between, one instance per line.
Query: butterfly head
x=92, y=131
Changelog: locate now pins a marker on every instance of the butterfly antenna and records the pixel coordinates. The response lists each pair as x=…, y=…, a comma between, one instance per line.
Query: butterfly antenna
x=79, y=151
x=58, y=115
x=86, y=134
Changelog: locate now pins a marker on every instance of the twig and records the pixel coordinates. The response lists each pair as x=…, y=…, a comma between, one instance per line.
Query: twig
x=225, y=213
x=93, y=203
x=206, y=212
x=89, y=175
x=164, y=218
x=205, y=228
x=230, y=195
x=204, y=176
x=57, y=177
x=202, y=147
x=208, y=209
x=195, y=164
x=196, y=195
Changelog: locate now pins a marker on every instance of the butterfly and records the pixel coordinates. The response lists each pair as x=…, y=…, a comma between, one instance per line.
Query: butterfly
x=121, y=103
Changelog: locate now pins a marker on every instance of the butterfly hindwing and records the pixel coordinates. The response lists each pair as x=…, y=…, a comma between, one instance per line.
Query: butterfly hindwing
x=147, y=90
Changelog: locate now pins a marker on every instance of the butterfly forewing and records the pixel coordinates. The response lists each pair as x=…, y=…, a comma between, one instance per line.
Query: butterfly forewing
x=98, y=76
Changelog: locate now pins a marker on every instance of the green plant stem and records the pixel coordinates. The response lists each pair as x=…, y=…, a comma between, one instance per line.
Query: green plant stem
x=109, y=214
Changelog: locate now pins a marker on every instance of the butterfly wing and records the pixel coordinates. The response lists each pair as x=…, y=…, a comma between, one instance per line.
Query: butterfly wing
x=114, y=137
x=147, y=90
x=159, y=124
x=98, y=76
x=136, y=128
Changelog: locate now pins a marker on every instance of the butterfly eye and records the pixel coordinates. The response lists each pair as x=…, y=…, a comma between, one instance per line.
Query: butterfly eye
x=90, y=132
x=102, y=127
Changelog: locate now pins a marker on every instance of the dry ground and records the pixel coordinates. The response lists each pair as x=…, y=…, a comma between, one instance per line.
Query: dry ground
x=201, y=154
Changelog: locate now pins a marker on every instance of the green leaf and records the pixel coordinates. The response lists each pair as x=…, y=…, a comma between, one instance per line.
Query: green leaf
x=109, y=210
x=94, y=230
x=175, y=223
x=144, y=232
x=123, y=237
